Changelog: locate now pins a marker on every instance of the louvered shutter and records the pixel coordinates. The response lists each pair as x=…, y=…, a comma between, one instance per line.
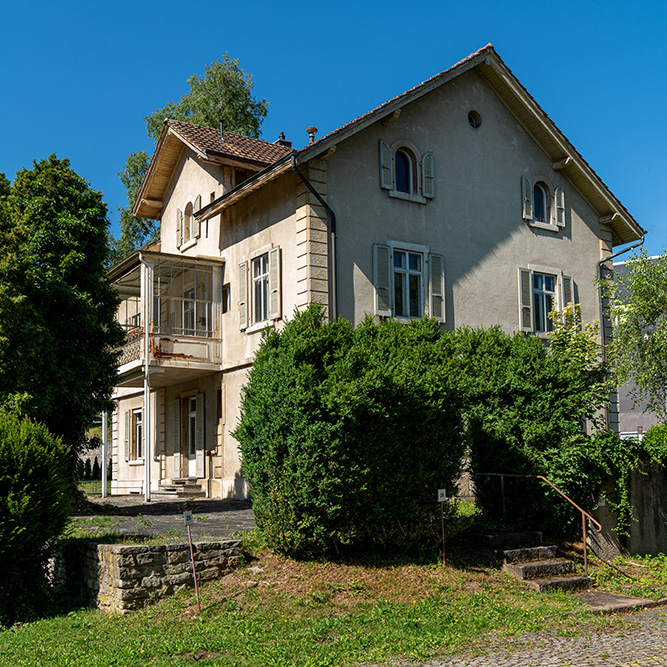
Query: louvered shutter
x=200, y=430
x=382, y=279
x=176, y=437
x=567, y=294
x=179, y=227
x=275, y=299
x=527, y=196
x=437, y=286
x=243, y=296
x=525, y=300
x=197, y=225
x=127, y=435
x=428, y=180
x=559, y=197
x=386, y=176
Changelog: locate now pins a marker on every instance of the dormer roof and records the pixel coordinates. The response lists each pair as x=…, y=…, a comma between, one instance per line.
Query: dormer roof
x=208, y=145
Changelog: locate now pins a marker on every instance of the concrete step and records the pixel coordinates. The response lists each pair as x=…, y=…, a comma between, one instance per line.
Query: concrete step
x=526, y=554
x=572, y=583
x=540, y=569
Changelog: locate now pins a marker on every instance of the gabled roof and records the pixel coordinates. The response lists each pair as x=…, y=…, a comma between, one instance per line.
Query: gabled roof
x=235, y=150
x=532, y=117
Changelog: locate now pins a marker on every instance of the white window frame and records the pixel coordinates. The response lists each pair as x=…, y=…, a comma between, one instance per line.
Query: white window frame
x=563, y=287
x=136, y=436
x=405, y=273
x=272, y=290
x=259, y=280
x=432, y=287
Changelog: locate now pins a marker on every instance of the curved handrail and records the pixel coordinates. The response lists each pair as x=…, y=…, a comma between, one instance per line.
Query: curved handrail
x=584, y=513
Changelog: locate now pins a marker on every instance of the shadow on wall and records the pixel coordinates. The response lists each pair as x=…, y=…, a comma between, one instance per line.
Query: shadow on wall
x=239, y=490
x=648, y=537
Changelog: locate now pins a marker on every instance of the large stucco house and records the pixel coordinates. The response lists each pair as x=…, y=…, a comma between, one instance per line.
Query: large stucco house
x=459, y=199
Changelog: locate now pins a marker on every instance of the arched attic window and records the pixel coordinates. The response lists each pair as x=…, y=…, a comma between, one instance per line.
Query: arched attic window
x=541, y=200
x=406, y=171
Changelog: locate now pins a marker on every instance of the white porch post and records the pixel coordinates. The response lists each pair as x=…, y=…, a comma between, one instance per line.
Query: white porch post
x=105, y=454
x=147, y=300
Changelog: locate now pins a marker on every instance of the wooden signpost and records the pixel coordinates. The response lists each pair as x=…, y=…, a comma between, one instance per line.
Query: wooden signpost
x=189, y=521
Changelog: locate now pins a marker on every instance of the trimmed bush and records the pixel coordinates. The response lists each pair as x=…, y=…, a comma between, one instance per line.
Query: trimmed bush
x=34, y=510
x=346, y=434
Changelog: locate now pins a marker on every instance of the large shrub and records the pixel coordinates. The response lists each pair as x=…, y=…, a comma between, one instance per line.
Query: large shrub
x=346, y=434
x=535, y=408
x=34, y=510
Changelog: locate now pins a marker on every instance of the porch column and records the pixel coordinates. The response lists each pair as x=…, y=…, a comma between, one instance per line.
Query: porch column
x=105, y=454
x=147, y=300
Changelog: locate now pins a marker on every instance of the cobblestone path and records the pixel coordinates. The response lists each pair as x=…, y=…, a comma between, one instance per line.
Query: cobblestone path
x=639, y=641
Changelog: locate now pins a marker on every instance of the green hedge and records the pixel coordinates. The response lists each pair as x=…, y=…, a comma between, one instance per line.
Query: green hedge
x=346, y=434
x=35, y=497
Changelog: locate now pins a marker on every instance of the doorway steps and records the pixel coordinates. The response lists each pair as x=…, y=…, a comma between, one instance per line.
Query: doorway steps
x=181, y=487
x=525, y=557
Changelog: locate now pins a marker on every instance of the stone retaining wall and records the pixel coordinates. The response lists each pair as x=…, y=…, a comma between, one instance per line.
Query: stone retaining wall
x=120, y=578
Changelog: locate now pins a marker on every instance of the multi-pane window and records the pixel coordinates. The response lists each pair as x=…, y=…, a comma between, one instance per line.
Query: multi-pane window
x=540, y=204
x=408, y=284
x=260, y=287
x=544, y=299
x=137, y=435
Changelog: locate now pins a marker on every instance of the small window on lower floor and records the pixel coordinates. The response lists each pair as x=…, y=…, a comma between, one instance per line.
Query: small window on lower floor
x=137, y=435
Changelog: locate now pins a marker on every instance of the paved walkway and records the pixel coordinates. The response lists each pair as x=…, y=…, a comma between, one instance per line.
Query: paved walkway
x=639, y=639
x=130, y=515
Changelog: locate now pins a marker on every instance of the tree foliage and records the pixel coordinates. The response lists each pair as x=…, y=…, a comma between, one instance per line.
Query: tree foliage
x=536, y=409
x=58, y=336
x=34, y=511
x=224, y=94
x=346, y=434
x=638, y=309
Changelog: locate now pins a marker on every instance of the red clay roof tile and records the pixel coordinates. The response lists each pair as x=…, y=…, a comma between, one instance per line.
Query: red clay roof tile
x=234, y=146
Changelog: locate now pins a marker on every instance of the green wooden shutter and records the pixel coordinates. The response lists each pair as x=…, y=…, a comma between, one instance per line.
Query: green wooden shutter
x=527, y=197
x=243, y=296
x=437, y=286
x=428, y=180
x=559, y=200
x=200, y=431
x=176, y=437
x=525, y=300
x=382, y=276
x=179, y=227
x=566, y=291
x=197, y=225
x=275, y=300
x=126, y=441
x=386, y=175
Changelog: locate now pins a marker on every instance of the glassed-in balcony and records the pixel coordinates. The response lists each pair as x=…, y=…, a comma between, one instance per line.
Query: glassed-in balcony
x=180, y=300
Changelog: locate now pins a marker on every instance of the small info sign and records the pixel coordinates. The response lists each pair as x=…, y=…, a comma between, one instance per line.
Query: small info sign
x=189, y=519
x=442, y=495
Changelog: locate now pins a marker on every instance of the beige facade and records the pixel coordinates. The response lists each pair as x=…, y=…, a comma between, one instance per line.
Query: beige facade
x=459, y=199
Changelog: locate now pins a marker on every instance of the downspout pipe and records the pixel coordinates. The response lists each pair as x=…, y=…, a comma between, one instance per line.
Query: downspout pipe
x=602, y=327
x=333, y=309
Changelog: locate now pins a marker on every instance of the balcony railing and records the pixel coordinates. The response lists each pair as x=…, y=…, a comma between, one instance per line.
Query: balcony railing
x=131, y=349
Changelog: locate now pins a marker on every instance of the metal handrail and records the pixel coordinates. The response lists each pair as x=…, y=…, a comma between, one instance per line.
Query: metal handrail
x=584, y=513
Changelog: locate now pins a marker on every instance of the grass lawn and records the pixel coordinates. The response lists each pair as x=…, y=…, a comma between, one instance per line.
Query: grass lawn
x=276, y=611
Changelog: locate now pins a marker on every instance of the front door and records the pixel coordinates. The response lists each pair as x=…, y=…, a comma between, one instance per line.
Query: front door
x=192, y=436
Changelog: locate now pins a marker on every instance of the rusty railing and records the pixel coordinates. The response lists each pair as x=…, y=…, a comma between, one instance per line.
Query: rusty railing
x=584, y=513
x=131, y=348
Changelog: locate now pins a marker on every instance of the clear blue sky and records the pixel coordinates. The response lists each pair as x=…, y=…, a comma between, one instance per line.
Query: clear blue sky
x=77, y=78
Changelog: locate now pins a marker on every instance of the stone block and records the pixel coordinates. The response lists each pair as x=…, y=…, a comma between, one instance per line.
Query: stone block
x=151, y=582
x=150, y=558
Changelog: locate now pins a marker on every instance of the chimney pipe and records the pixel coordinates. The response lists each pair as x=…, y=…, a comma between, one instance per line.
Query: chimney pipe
x=312, y=131
x=222, y=131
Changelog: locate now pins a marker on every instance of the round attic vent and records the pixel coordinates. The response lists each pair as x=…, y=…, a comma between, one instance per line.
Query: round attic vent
x=474, y=119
